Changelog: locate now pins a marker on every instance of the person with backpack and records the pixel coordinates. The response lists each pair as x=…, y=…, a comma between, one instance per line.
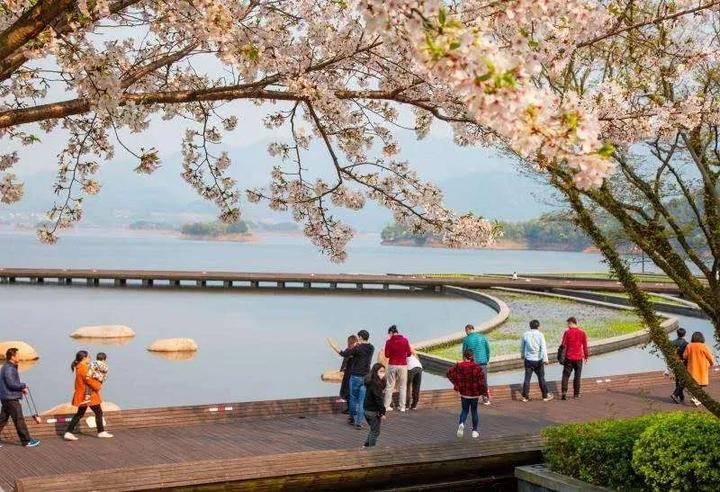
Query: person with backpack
x=468, y=380
x=11, y=392
x=533, y=350
x=374, y=404
x=478, y=343
x=575, y=351
x=681, y=344
x=699, y=360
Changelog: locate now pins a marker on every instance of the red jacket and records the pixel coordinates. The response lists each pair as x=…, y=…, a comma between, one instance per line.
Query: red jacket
x=397, y=350
x=575, y=341
x=468, y=379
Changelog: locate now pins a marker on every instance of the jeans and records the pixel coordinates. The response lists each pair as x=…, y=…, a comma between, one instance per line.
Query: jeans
x=469, y=405
x=97, y=410
x=568, y=367
x=357, y=398
x=13, y=409
x=414, y=380
x=399, y=373
x=373, y=420
x=537, y=367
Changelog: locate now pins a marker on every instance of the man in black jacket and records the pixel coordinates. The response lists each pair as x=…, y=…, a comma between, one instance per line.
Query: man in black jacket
x=361, y=355
x=680, y=343
x=11, y=392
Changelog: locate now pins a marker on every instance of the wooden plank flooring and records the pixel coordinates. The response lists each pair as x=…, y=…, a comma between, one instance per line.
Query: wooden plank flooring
x=258, y=442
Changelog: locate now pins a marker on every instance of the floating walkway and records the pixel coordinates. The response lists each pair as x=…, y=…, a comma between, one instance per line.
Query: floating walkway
x=341, y=281
x=302, y=443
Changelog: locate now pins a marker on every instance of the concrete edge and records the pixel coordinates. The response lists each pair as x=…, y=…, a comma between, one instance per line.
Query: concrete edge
x=545, y=479
x=440, y=365
x=498, y=305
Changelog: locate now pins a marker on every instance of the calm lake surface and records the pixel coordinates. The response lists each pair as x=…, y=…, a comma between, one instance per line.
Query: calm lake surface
x=253, y=346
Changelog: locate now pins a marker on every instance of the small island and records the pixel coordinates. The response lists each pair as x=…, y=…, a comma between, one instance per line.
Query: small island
x=217, y=231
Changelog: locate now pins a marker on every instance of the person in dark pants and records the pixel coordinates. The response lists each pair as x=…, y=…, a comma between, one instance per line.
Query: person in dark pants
x=374, y=404
x=345, y=368
x=11, y=392
x=680, y=343
x=576, y=351
x=533, y=350
x=81, y=366
x=414, y=381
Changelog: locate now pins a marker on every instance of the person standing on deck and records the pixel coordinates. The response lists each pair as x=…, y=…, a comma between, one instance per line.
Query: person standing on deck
x=80, y=366
x=699, y=360
x=480, y=347
x=414, y=381
x=533, y=350
x=468, y=380
x=374, y=405
x=397, y=350
x=345, y=368
x=361, y=355
x=681, y=344
x=11, y=392
x=576, y=351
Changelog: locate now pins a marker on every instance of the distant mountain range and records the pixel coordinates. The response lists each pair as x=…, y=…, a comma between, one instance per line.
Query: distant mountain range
x=471, y=180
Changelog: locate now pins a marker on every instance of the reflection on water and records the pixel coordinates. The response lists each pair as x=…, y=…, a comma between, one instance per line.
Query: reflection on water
x=103, y=342
x=183, y=355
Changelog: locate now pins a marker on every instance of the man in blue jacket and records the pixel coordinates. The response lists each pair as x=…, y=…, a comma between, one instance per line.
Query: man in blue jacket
x=11, y=392
x=480, y=347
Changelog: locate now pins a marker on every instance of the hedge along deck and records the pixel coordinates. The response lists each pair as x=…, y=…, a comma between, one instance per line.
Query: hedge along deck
x=319, y=450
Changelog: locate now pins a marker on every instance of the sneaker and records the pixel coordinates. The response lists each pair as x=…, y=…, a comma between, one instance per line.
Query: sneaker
x=402, y=410
x=695, y=401
x=104, y=435
x=563, y=397
x=475, y=434
x=486, y=401
x=576, y=397
x=32, y=443
x=549, y=397
x=675, y=399
x=351, y=421
x=70, y=437
x=525, y=399
x=358, y=426
x=461, y=430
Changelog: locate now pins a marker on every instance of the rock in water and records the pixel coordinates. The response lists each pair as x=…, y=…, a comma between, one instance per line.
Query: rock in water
x=332, y=376
x=173, y=345
x=25, y=351
x=68, y=409
x=103, y=331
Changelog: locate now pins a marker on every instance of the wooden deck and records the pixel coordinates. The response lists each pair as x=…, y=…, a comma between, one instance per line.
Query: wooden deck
x=341, y=281
x=295, y=444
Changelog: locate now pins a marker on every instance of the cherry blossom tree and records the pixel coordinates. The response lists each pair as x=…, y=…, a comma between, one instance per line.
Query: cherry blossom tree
x=96, y=69
x=615, y=103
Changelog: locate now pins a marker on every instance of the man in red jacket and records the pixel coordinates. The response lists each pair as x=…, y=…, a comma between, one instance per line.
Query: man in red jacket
x=397, y=350
x=576, y=351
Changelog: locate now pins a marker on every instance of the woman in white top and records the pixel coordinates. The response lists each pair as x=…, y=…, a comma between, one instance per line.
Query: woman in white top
x=413, y=381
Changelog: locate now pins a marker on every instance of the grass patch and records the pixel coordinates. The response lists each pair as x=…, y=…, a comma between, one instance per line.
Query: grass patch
x=653, y=298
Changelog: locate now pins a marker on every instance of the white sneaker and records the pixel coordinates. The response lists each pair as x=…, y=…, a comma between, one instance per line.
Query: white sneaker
x=70, y=437
x=549, y=397
x=475, y=434
x=402, y=409
x=461, y=430
x=695, y=401
x=104, y=435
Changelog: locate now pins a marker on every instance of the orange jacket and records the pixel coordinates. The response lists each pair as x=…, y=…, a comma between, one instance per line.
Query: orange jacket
x=699, y=359
x=81, y=379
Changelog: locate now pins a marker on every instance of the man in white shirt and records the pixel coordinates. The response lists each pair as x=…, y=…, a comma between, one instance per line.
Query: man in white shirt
x=413, y=380
x=533, y=350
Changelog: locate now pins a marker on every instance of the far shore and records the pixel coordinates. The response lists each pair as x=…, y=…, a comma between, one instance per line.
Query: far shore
x=504, y=245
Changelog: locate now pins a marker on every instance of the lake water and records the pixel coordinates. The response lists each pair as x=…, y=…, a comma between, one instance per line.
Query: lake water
x=253, y=346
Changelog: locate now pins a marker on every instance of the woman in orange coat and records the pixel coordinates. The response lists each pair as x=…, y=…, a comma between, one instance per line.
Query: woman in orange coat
x=699, y=360
x=80, y=367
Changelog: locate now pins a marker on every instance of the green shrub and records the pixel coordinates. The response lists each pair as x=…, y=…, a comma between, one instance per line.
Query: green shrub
x=597, y=452
x=680, y=453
